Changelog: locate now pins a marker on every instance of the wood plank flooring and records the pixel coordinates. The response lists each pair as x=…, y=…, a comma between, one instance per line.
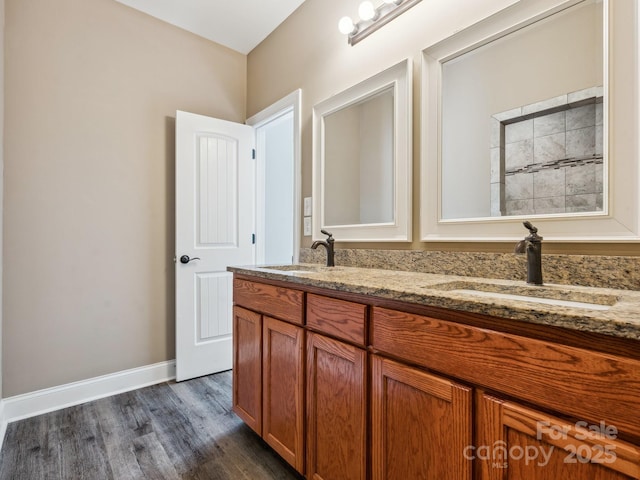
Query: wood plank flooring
x=168, y=431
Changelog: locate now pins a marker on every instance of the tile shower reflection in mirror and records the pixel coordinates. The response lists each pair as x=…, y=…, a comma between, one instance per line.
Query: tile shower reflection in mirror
x=547, y=157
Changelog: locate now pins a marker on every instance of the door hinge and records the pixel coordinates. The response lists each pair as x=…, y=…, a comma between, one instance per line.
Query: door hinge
x=253, y=238
x=253, y=153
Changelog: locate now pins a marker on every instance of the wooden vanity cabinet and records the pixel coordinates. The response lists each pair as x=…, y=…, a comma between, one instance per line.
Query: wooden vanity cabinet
x=268, y=365
x=283, y=390
x=336, y=390
x=437, y=395
x=524, y=443
x=336, y=409
x=576, y=382
x=421, y=424
x=247, y=367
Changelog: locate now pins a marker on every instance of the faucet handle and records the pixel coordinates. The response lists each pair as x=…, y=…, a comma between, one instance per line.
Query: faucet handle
x=533, y=232
x=530, y=227
x=329, y=234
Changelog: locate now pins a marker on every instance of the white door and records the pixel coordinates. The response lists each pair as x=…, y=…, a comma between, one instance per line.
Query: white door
x=214, y=229
x=275, y=190
x=278, y=180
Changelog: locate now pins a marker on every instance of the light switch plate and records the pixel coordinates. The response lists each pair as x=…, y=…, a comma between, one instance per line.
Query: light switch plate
x=307, y=207
x=307, y=226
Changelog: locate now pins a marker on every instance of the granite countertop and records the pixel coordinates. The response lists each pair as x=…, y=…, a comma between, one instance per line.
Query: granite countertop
x=599, y=310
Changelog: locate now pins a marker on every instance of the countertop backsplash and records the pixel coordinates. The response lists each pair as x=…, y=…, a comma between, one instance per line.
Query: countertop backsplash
x=585, y=270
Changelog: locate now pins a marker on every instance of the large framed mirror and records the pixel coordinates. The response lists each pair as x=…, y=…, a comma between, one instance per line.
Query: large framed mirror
x=362, y=160
x=525, y=116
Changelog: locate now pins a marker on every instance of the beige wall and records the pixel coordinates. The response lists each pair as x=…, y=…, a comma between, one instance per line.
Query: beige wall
x=92, y=88
x=308, y=52
x=1, y=175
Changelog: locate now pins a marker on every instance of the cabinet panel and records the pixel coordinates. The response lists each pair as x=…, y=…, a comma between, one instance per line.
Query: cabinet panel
x=338, y=318
x=247, y=367
x=283, y=390
x=554, y=376
x=336, y=410
x=421, y=424
x=283, y=303
x=515, y=442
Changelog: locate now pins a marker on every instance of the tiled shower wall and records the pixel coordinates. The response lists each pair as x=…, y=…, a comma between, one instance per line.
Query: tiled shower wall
x=549, y=157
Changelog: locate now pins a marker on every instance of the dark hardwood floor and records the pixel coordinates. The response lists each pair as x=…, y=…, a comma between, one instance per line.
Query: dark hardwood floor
x=168, y=431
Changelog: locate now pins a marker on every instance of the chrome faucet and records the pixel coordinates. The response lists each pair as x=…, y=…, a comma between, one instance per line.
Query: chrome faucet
x=532, y=245
x=328, y=244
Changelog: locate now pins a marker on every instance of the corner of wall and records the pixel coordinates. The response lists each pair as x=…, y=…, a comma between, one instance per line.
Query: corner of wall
x=3, y=423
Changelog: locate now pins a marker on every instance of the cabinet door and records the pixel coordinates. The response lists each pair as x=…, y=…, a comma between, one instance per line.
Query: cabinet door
x=336, y=410
x=421, y=424
x=515, y=442
x=283, y=390
x=247, y=367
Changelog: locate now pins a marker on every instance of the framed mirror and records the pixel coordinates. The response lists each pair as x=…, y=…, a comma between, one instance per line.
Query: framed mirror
x=522, y=119
x=362, y=160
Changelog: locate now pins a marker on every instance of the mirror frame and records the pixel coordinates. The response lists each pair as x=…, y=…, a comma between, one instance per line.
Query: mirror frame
x=620, y=222
x=399, y=78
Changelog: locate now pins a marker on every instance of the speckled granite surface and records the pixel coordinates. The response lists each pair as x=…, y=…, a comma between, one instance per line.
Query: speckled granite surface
x=585, y=270
x=619, y=315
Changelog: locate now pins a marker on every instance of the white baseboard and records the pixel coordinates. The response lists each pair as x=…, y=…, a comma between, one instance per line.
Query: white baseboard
x=50, y=399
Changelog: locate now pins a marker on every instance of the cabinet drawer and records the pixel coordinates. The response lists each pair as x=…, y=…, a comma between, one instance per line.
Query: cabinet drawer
x=283, y=303
x=585, y=384
x=339, y=318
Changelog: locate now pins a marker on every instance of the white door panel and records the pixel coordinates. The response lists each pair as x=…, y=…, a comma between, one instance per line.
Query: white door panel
x=278, y=180
x=214, y=227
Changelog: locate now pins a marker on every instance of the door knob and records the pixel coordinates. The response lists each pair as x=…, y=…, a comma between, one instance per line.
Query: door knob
x=186, y=259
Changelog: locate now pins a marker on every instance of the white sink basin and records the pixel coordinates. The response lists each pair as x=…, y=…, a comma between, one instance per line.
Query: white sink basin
x=546, y=295
x=293, y=269
x=546, y=301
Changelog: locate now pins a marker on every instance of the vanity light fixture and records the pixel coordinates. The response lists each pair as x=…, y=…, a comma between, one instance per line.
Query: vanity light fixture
x=372, y=18
x=366, y=11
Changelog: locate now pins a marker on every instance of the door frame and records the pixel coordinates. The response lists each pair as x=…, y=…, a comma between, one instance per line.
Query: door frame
x=289, y=103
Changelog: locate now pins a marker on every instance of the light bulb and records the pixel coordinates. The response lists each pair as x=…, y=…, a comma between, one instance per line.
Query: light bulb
x=388, y=2
x=346, y=26
x=366, y=10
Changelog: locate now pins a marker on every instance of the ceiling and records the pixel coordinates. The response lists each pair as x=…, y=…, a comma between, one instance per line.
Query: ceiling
x=237, y=24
